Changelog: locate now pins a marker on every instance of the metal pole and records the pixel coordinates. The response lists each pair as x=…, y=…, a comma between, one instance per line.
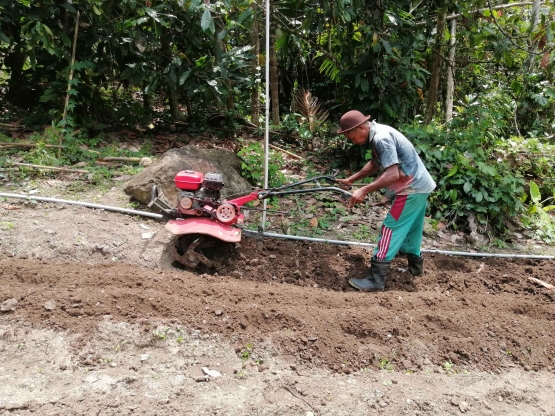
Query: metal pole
x=267, y=118
x=84, y=204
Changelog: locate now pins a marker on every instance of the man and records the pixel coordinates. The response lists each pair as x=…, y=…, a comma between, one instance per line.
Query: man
x=403, y=174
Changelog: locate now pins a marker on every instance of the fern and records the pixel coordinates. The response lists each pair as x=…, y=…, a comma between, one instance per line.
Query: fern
x=330, y=69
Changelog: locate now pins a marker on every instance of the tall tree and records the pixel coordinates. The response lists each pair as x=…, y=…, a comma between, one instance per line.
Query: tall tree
x=451, y=73
x=436, y=66
x=255, y=64
x=274, y=80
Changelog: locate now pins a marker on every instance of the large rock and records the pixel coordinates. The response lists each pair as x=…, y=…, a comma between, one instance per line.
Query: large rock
x=194, y=158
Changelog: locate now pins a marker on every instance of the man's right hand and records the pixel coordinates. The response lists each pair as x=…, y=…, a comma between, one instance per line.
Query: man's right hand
x=345, y=182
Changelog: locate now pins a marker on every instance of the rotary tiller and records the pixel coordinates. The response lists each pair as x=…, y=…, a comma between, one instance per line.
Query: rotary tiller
x=202, y=219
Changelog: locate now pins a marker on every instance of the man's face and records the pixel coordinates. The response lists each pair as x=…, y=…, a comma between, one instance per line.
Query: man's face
x=358, y=135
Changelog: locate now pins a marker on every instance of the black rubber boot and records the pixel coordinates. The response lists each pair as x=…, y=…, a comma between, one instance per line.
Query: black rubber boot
x=416, y=264
x=376, y=280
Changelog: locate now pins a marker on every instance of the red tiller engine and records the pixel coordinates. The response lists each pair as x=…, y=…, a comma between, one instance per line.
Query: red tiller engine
x=201, y=219
x=199, y=195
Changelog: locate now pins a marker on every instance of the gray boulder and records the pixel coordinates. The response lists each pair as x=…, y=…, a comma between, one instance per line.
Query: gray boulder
x=194, y=158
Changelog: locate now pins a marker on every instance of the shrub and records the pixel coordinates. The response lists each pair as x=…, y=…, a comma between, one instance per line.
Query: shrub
x=469, y=176
x=252, y=165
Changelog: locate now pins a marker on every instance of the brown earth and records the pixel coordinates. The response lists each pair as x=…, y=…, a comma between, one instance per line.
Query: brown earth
x=95, y=296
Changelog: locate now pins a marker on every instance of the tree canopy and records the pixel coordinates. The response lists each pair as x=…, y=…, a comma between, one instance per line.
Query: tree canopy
x=191, y=56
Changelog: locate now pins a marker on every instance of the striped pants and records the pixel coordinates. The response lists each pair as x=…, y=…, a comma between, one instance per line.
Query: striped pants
x=402, y=228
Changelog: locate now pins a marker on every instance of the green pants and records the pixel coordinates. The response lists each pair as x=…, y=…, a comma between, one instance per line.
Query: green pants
x=402, y=228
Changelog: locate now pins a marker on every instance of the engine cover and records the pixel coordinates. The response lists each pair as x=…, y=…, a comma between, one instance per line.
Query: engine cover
x=213, y=181
x=188, y=180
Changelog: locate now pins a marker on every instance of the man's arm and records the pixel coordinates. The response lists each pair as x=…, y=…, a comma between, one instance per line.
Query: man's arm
x=368, y=170
x=389, y=176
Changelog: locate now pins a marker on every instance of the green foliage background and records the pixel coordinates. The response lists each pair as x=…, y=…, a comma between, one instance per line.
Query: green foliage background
x=149, y=64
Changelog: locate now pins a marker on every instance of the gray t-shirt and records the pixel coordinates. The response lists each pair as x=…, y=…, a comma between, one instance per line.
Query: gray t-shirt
x=391, y=147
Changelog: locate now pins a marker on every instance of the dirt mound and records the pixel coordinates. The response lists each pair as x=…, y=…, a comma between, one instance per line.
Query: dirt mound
x=463, y=314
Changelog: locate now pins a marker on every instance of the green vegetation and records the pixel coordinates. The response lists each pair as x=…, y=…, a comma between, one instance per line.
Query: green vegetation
x=543, y=222
x=246, y=352
x=253, y=165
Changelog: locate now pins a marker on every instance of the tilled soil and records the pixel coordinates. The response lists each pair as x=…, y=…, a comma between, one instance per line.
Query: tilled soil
x=473, y=313
x=74, y=273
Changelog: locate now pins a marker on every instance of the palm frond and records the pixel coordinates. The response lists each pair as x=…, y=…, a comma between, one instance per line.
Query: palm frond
x=309, y=107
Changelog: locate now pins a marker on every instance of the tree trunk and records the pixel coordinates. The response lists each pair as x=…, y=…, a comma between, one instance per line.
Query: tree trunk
x=255, y=93
x=15, y=61
x=146, y=99
x=534, y=22
x=436, y=66
x=451, y=74
x=274, y=82
x=173, y=91
x=173, y=97
x=188, y=105
x=220, y=47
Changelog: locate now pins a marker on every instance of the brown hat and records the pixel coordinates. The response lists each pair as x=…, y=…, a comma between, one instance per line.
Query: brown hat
x=352, y=119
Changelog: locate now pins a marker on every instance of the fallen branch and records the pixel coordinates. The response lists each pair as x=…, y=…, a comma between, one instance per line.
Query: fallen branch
x=28, y=145
x=548, y=286
x=273, y=146
x=51, y=168
x=12, y=126
x=293, y=155
x=120, y=159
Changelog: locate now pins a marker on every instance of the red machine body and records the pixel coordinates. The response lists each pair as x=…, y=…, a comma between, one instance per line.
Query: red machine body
x=201, y=215
x=205, y=226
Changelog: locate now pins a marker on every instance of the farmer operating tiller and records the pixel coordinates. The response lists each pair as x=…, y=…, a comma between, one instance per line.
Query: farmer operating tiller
x=402, y=174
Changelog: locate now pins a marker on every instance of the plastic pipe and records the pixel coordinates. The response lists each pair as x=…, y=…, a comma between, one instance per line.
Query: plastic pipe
x=356, y=243
x=274, y=235
x=84, y=204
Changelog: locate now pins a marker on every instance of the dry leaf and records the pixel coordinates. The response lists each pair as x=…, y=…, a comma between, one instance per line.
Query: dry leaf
x=314, y=222
x=10, y=207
